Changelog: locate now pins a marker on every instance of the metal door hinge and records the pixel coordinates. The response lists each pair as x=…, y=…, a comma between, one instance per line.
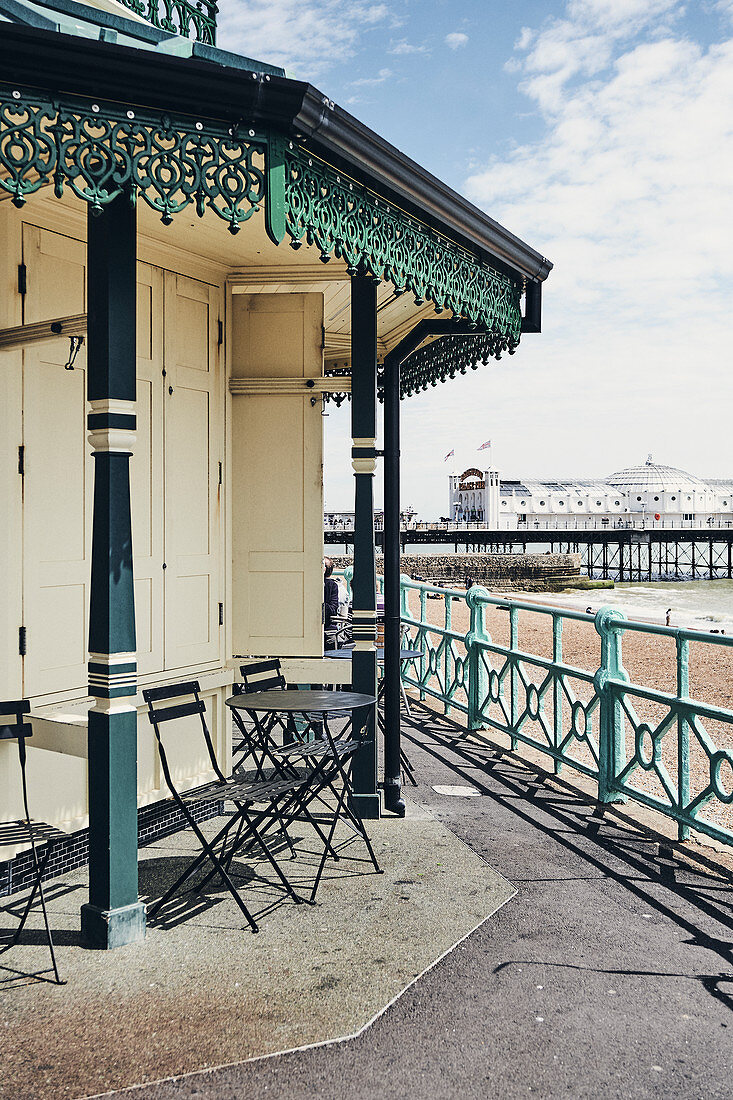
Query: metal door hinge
x=221, y=614
x=221, y=332
x=21, y=641
x=22, y=279
x=21, y=460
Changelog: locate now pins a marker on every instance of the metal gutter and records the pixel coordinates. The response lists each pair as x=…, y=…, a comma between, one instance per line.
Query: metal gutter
x=212, y=89
x=342, y=135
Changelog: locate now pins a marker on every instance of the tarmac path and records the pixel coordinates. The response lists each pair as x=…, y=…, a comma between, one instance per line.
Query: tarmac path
x=609, y=974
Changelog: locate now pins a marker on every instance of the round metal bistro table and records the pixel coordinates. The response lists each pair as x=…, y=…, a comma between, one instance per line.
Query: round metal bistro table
x=297, y=700
x=309, y=702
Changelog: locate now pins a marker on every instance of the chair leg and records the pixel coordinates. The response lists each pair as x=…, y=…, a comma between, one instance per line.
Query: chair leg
x=39, y=869
x=271, y=859
x=207, y=853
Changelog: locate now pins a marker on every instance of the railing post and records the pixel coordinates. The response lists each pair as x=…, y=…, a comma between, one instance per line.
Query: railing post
x=513, y=674
x=611, y=733
x=423, y=620
x=556, y=689
x=683, y=734
x=404, y=596
x=447, y=653
x=477, y=676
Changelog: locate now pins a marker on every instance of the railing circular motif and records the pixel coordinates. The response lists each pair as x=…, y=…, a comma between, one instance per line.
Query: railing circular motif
x=494, y=686
x=579, y=721
x=646, y=759
x=717, y=760
x=533, y=702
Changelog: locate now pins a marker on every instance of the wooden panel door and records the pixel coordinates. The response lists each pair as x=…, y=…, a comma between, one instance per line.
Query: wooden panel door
x=58, y=473
x=146, y=472
x=277, y=479
x=193, y=453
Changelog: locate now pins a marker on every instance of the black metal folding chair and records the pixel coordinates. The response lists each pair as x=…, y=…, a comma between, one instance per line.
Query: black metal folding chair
x=329, y=758
x=38, y=833
x=264, y=676
x=260, y=805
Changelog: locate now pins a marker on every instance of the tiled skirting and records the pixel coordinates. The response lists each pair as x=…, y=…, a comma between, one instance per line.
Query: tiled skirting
x=153, y=822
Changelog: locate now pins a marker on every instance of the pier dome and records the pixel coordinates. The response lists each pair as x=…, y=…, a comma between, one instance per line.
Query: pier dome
x=651, y=477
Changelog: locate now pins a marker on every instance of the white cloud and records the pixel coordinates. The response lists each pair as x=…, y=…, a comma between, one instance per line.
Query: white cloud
x=456, y=39
x=303, y=36
x=404, y=47
x=630, y=193
x=370, y=81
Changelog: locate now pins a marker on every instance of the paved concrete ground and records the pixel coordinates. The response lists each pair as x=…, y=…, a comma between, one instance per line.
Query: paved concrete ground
x=608, y=975
x=201, y=991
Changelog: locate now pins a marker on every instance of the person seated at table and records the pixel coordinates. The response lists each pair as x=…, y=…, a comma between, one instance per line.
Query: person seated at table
x=330, y=598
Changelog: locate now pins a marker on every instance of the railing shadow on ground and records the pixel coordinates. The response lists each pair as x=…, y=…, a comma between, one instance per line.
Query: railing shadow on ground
x=606, y=837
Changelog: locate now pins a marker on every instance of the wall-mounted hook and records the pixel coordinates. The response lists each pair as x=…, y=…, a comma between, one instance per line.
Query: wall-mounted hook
x=75, y=342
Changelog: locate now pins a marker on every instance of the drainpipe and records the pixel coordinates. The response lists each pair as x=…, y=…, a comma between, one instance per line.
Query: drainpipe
x=392, y=783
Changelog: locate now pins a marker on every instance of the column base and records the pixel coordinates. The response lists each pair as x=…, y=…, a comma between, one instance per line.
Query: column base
x=393, y=800
x=108, y=928
x=367, y=806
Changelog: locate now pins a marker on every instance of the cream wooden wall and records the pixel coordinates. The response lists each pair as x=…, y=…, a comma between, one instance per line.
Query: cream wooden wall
x=45, y=539
x=176, y=492
x=276, y=477
x=178, y=476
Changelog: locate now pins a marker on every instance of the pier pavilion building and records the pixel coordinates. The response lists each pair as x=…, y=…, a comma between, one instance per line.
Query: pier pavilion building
x=195, y=252
x=650, y=496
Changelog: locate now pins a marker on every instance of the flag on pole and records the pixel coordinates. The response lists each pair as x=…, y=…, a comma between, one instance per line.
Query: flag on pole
x=485, y=445
x=450, y=453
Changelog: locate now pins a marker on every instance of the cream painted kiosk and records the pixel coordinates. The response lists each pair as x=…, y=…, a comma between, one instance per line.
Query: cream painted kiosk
x=141, y=543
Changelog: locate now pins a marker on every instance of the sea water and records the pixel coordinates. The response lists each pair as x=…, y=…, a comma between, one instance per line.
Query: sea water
x=696, y=605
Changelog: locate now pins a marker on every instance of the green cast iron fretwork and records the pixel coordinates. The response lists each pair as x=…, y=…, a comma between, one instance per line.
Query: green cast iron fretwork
x=344, y=219
x=101, y=153
x=449, y=356
x=444, y=358
x=192, y=20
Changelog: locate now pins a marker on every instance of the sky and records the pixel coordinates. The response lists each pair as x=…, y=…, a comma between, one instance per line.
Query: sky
x=600, y=132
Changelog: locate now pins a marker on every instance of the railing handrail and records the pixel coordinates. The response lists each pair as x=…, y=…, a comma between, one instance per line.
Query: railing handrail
x=638, y=625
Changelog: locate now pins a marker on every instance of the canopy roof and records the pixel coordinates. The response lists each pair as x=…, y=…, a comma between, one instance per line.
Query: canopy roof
x=226, y=135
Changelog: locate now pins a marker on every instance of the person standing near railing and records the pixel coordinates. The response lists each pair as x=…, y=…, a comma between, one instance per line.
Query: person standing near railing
x=330, y=597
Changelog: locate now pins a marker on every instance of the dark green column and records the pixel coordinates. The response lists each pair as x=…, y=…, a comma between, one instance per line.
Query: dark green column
x=113, y=916
x=393, y=799
x=364, y=584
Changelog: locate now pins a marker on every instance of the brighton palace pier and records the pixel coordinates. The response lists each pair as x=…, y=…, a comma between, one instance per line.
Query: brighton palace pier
x=647, y=496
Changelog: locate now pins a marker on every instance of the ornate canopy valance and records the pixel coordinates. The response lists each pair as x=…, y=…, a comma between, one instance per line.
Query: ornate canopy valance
x=195, y=20
x=101, y=151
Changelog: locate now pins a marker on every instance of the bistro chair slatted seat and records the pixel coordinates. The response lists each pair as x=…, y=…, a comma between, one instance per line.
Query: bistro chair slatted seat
x=260, y=805
x=329, y=757
x=38, y=833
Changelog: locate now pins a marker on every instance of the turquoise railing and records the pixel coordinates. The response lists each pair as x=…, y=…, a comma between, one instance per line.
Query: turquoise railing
x=664, y=749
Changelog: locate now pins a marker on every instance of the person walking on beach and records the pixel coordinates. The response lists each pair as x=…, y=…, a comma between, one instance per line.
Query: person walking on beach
x=668, y=616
